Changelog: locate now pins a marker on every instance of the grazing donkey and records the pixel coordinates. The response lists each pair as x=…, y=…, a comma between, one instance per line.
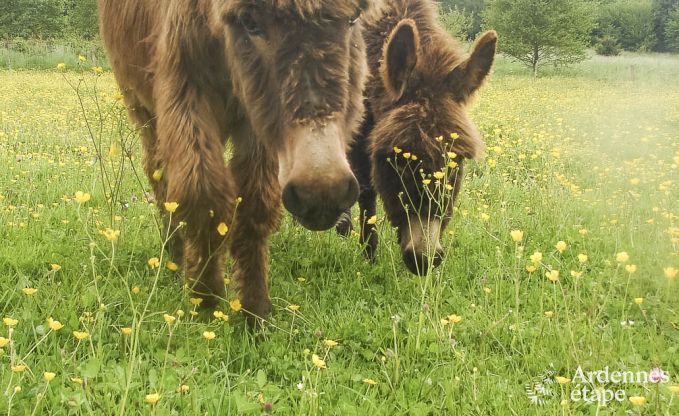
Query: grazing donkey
x=419, y=83
x=283, y=79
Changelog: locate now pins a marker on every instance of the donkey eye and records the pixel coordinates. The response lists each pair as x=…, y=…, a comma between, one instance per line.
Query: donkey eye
x=250, y=25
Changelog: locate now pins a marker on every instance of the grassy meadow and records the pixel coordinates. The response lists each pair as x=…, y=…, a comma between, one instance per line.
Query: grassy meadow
x=584, y=162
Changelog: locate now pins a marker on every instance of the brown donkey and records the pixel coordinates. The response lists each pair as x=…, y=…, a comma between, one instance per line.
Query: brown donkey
x=282, y=79
x=416, y=134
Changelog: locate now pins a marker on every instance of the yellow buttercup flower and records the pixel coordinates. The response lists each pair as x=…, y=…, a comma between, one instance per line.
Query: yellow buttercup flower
x=317, y=361
x=20, y=368
x=54, y=325
x=154, y=262
x=517, y=235
x=531, y=268
x=330, y=343
x=196, y=301
x=172, y=266
x=638, y=301
x=61, y=66
x=439, y=175
x=631, y=268
x=549, y=314
x=157, y=175
x=293, y=307
x=582, y=258
x=372, y=220
x=222, y=229
x=562, y=380
x=55, y=267
x=670, y=272
x=637, y=400
x=29, y=291
x=209, y=335
x=622, y=257
x=171, y=207
x=10, y=321
x=561, y=246
x=369, y=381
x=3, y=342
x=169, y=318
x=110, y=234
x=152, y=398
x=235, y=305
x=126, y=330
x=81, y=335
x=553, y=276
x=82, y=197
x=536, y=257
x=48, y=376
x=455, y=319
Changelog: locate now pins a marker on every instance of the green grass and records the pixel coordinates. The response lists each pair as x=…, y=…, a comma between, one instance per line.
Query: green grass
x=591, y=149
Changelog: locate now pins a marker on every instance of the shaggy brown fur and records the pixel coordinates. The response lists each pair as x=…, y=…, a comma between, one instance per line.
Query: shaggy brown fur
x=420, y=81
x=282, y=79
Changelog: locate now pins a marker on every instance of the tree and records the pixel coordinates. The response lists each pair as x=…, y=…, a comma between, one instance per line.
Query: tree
x=535, y=32
x=472, y=10
x=672, y=30
x=630, y=22
x=661, y=16
x=455, y=22
x=83, y=19
x=32, y=18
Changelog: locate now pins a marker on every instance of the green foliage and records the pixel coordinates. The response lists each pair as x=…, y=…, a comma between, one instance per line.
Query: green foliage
x=535, y=32
x=455, y=22
x=661, y=12
x=83, y=19
x=32, y=18
x=631, y=22
x=473, y=11
x=672, y=30
x=608, y=46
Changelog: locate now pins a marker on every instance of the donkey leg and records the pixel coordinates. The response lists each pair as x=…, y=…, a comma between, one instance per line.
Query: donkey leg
x=258, y=214
x=192, y=151
x=361, y=166
x=146, y=125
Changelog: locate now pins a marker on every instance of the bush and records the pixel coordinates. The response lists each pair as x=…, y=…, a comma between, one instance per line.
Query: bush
x=608, y=46
x=631, y=23
x=455, y=22
x=672, y=30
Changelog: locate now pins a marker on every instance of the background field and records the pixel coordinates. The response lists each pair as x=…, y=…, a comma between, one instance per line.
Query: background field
x=588, y=156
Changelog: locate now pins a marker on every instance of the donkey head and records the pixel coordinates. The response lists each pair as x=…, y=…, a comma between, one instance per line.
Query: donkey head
x=298, y=67
x=423, y=134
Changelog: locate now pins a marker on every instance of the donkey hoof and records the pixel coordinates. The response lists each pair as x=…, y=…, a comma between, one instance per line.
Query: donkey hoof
x=256, y=312
x=344, y=225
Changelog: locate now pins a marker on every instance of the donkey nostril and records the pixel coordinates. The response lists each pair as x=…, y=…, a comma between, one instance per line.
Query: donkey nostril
x=349, y=195
x=438, y=257
x=292, y=200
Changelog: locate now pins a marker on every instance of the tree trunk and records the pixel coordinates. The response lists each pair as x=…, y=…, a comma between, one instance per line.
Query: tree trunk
x=536, y=58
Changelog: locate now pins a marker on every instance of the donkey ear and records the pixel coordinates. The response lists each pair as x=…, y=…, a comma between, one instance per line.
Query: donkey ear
x=470, y=74
x=400, y=58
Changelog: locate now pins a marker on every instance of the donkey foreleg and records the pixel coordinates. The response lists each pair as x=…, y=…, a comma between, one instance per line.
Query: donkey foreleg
x=258, y=214
x=198, y=180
